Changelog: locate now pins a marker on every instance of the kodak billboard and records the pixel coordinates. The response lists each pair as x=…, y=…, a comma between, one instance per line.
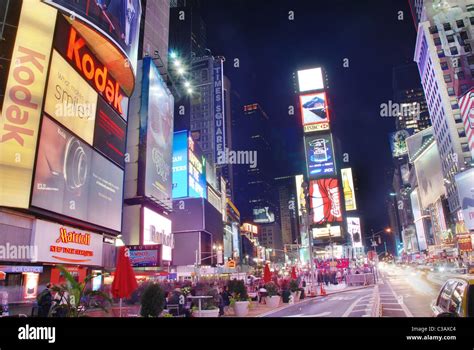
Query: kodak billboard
x=21, y=112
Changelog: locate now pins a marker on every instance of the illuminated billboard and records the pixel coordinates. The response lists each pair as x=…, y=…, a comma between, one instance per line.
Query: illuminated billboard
x=314, y=111
x=320, y=156
x=466, y=104
x=325, y=201
x=180, y=164
x=157, y=230
x=145, y=256
x=429, y=175
x=354, y=230
x=156, y=129
x=465, y=184
x=310, y=79
x=333, y=231
x=263, y=215
x=348, y=189
x=418, y=220
x=73, y=180
x=118, y=20
x=300, y=197
x=398, y=143
x=21, y=112
x=189, y=167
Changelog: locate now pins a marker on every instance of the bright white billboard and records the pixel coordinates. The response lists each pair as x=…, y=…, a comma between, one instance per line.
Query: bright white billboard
x=354, y=230
x=465, y=184
x=157, y=230
x=310, y=79
x=430, y=176
x=418, y=219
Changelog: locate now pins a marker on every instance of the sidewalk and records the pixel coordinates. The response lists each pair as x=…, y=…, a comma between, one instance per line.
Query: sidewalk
x=258, y=310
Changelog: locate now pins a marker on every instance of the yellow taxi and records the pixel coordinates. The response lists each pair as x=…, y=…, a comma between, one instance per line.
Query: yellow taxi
x=456, y=298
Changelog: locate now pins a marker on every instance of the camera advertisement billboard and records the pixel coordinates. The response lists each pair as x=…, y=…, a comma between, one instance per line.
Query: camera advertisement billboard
x=72, y=179
x=118, y=20
x=325, y=201
x=314, y=111
x=320, y=156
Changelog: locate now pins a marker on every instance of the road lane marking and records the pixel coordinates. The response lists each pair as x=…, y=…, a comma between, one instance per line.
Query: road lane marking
x=322, y=314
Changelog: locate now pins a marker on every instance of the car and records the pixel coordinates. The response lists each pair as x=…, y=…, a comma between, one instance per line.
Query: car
x=455, y=298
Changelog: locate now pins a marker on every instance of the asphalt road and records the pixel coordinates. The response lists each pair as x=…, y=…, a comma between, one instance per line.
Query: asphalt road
x=341, y=304
x=404, y=292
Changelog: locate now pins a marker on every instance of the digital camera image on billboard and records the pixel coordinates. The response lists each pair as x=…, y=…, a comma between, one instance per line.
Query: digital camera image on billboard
x=325, y=201
x=72, y=179
x=310, y=79
x=320, y=156
x=314, y=111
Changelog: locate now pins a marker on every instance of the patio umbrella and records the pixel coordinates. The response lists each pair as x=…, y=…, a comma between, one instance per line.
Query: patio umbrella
x=267, y=275
x=124, y=283
x=293, y=273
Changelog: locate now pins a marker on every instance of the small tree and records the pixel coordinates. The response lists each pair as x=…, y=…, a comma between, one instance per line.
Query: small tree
x=74, y=299
x=152, y=301
x=272, y=289
x=238, y=290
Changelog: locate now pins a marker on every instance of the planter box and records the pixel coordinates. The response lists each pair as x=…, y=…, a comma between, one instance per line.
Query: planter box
x=241, y=308
x=273, y=301
x=206, y=313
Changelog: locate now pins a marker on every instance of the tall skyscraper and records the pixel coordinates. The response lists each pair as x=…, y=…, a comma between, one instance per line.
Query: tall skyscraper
x=445, y=62
x=287, y=201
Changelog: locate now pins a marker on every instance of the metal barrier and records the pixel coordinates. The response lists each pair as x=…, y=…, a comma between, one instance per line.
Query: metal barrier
x=363, y=279
x=377, y=307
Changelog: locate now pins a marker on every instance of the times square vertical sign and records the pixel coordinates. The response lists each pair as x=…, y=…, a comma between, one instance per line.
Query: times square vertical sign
x=218, y=94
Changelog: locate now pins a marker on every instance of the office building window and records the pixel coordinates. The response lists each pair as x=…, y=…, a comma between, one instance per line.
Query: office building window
x=437, y=41
x=433, y=30
x=463, y=35
x=451, y=91
x=447, y=78
x=467, y=48
x=450, y=38
x=453, y=50
x=447, y=26
x=460, y=23
x=444, y=66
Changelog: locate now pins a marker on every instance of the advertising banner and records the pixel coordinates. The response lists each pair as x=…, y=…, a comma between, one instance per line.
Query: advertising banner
x=118, y=20
x=109, y=133
x=466, y=104
x=21, y=113
x=219, y=120
x=70, y=100
x=145, y=256
x=300, y=197
x=310, y=79
x=348, y=189
x=314, y=111
x=263, y=215
x=398, y=143
x=320, y=156
x=418, y=219
x=66, y=245
x=465, y=184
x=325, y=201
x=324, y=232
x=180, y=164
x=156, y=132
x=429, y=175
x=157, y=230
x=354, y=230
x=73, y=180
x=197, y=171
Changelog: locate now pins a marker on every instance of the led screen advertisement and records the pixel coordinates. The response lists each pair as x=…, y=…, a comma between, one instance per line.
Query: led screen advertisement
x=157, y=230
x=263, y=215
x=156, y=129
x=465, y=184
x=21, y=110
x=320, y=156
x=197, y=171
x=334, y=231
x=145, y=256
x=314, y=111
x=180, y=164
x=429, y=175
x=398, y=143
x=354, y=230
x=325, y=201
x=348, y=189
x=119, y=20
x=310, y=79
x=73, y=180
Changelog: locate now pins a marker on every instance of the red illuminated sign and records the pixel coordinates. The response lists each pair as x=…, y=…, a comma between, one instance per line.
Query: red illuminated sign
x=92, y=70
x=325, y=201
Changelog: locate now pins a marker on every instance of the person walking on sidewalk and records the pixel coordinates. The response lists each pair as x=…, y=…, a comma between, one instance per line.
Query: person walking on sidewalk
x=45, y=300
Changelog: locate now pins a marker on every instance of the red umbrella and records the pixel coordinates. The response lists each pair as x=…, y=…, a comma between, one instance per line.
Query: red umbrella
x=124, y=283
x=267, y=275
x=293, y=273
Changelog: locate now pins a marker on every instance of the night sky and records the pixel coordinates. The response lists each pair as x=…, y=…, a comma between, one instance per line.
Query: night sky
x=271, y=48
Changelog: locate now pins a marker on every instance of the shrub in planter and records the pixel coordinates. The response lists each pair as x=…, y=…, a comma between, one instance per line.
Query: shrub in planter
x=294, y=286
x=152, y=301
x=238, y=290
x=285, y=296
x=272, y=289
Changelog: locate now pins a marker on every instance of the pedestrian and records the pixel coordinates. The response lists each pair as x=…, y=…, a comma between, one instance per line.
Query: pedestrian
x=60, y=307
x=326, y=277
x=45, y=300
